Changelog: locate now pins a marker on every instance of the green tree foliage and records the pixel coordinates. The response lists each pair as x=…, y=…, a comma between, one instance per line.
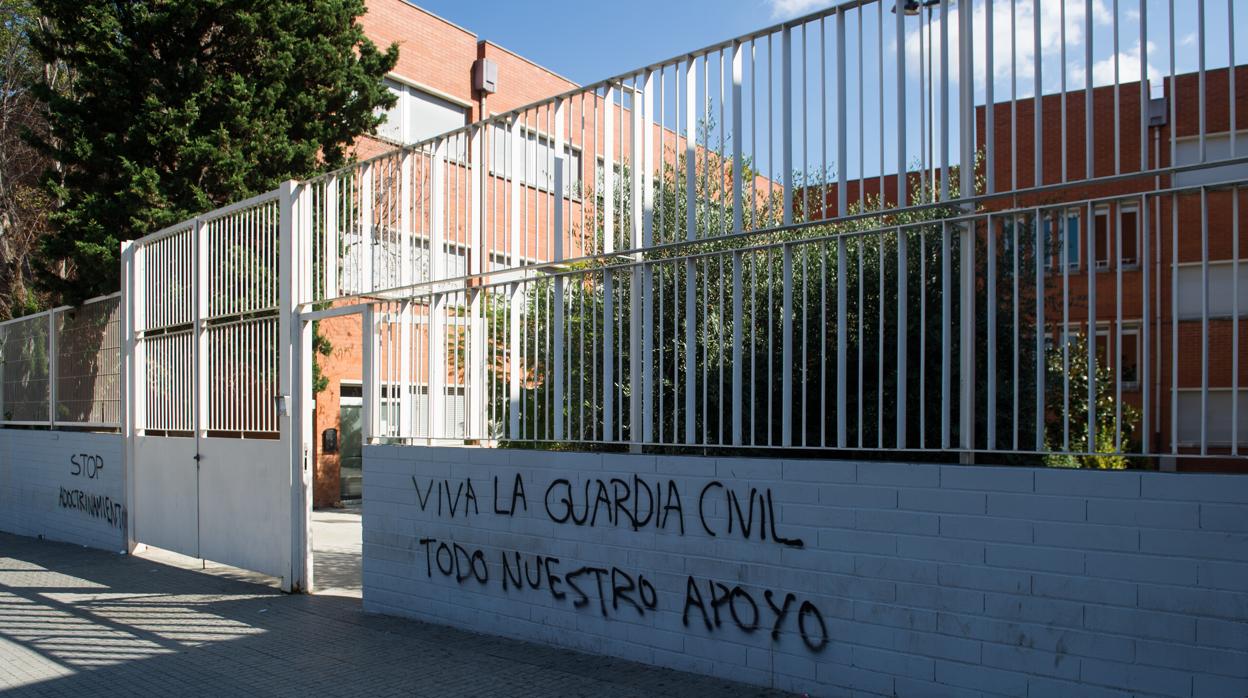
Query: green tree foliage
x=180, y=106
x=1067, y=378
x=24, y=203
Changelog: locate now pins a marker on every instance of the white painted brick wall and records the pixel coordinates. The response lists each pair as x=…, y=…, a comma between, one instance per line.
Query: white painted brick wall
x=931, y=580
x=36, y=465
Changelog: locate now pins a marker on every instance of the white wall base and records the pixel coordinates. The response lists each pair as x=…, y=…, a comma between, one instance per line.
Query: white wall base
x=64, y=486
x=911, y=580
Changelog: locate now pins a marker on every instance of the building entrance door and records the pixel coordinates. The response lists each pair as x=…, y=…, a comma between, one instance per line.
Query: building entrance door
x=350, y=454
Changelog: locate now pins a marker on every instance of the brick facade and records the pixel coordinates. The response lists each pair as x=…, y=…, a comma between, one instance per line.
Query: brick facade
x=437, y=57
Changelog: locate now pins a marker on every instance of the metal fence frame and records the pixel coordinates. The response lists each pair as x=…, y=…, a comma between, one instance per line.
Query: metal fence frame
x=460, y=190
x=58, y=343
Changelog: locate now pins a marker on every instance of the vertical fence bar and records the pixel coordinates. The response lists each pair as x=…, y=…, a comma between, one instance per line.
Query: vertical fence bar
x=990, y=296
x=200, y=388
x=1145, y=371
x=1234, y=310
x=1065, y=94
x=515, y=353
x=406, y=266
x=1174, y=312
x=1116, y=358
x=990, y=125
x=737, y=330
x=1088, y=132
x=786, y=120
x=966, y=431
x=1144, y=97
x=1200, y=97
x=738, y=161
x=691, y=233
x=903, y=195
x=1038, y=228
x=786, y=348
x=515, y=359
x=944, y=100
x=1204, y=304
x=1037, y=101
x=946, y=317
x=329, y=250
x=903, y=334
x=1117, y=97
x=608, y=356
x=52, y=367
x=131, y=373
x=608, y=170
x=1090, y=233
x=842, y=173
x=366, y=227
x=371, y=373
x=842, y=344
x=1015, y=349
x=966, y=94
x=558, y=316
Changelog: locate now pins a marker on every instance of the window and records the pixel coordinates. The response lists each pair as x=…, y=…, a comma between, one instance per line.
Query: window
x=538, y=154
x=1217, y=147
x=1104, y=237
x=1007, y=238
x=1102, y=346
x=1129, y=224
x=1127, y=368
x=1217, y=419
x=418, y=115
x=1129, y=357
x=1066, y=242
x=1188, y=304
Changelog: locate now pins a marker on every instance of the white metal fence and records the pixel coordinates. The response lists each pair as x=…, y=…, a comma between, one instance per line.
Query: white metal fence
x=860, y=229
x=942, y=228
x=207, y=311
x=62, y=367
x=946, y=330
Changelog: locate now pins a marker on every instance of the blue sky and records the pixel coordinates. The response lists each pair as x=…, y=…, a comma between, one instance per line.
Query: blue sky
x=588, y=41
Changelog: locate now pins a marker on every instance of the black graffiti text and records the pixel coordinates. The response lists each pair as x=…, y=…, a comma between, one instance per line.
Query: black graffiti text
x=743, y=519
x=454, y=560
x=441, y=490
x=723, y=605
x=611, y=588
x=634, y=503
x=97, y=506
x=86, y=465
x=518, y=498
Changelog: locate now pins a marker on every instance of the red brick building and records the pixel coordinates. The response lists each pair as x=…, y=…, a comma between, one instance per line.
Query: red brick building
x=1169, y=236
x=433, y=80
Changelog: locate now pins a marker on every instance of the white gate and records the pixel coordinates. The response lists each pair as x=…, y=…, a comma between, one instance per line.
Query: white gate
x=209, y=365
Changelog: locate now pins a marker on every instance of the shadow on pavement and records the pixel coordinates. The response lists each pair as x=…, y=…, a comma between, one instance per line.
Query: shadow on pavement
x=79, y=621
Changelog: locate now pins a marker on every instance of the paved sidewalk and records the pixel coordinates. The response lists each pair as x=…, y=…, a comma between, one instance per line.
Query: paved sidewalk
x=336, y=551
x=75, y=621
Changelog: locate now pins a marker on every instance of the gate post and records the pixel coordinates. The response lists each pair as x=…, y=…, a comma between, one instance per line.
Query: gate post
x=129, y=388
x=295, y=373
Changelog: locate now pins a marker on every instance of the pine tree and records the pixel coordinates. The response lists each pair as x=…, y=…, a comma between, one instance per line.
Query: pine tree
x=181, y=106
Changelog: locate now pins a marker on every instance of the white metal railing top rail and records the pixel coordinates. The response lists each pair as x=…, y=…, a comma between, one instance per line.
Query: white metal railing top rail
x=62, y=367
x=830, y=114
